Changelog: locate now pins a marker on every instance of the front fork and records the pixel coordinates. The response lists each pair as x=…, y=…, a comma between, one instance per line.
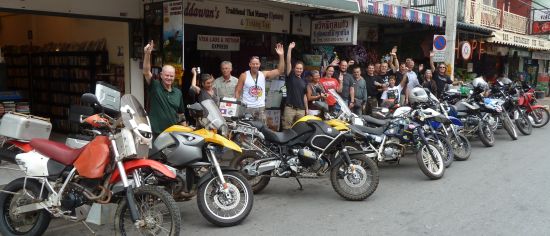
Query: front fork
x=214, y=160
x=134, y=213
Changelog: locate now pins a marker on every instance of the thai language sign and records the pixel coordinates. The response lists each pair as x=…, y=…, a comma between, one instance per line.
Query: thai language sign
x=237, y=16
x=218, y=43
x=341, y=31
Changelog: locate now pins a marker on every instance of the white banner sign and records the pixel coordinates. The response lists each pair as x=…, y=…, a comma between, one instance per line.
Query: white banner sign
x=541, y=15
x=541, y=55
x=218, y=43
x=237, y=16
x=341, y=31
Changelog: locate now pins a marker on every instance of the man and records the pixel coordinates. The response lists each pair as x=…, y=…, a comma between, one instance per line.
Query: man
x=360, y=92
x=440, y=76
x=251, y=84
x=372, y=82
x=377, y=68
x=412, y=79
x=384, y=80
x=225, y=84
x=346, y=81
x=165, y=100
x=296, y=99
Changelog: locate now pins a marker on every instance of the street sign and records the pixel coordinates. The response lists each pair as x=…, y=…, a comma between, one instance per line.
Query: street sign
x=439, y=45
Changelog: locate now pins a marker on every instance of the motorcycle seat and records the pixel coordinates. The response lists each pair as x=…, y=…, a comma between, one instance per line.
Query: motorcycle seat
x=56, y=151
x=272, y=136
x=369, y=130
x=256, y=124
x=375, y=121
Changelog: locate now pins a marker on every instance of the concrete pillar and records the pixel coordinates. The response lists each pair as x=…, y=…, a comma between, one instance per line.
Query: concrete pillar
x=450, y=32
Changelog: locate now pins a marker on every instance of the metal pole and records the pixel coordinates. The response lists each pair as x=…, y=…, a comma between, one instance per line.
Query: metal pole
x=450, y=32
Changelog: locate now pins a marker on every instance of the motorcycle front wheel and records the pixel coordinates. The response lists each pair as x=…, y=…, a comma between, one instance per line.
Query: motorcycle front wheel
x=486, y=134
x=445, y=149
x=258, y=183
x=540, y=117
x=461, y=147
x=225, y=205
x=159, y=213
x=524, y=125
x=358, y=182
x=30, y=223
x=509, y=126
x=434, y=169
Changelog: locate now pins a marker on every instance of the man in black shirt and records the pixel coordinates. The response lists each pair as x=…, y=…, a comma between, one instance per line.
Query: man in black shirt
x=440, y=76
x=372, y=92
x=346, y=81
x=296, y=100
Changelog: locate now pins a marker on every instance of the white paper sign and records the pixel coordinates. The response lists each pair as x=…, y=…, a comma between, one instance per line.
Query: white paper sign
x=218, y=43
x=541, y=15
x=237, y=16
x=342, y=31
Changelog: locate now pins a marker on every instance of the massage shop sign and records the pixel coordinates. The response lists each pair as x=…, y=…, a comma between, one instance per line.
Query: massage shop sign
x=237, y=16
x=339, y=31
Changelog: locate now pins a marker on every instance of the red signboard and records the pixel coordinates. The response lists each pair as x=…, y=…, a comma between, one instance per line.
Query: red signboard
x=541, y=27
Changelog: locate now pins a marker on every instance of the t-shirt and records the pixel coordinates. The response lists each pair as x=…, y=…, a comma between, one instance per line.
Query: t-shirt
x=330, y=83
x=347, y=84
x=371, y=88
x=204, y=95
x=412, y=80
x=226, y=88
x=392, y=93
x=441, y=81
x=164, y=106
x=254, y=90
x=385, y=78
x=295, y=90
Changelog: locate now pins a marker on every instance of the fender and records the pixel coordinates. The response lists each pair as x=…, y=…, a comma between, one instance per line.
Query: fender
x=533, y=107
x=210, y=174
x=212, y=137
x=351, y=153
x=24, y=146
x=129, y=166
x=455, y=121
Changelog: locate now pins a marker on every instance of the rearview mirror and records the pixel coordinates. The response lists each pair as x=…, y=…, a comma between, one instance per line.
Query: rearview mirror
x=89, y=98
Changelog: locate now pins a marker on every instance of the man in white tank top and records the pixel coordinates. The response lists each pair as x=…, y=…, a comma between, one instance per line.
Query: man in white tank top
x=251, y=85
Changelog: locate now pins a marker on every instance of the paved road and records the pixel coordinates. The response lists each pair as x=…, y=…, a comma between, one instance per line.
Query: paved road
x=500, y=191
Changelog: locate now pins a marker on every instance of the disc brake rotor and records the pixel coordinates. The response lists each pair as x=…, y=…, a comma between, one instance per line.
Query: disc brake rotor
x=356, y=178
x=228, y=199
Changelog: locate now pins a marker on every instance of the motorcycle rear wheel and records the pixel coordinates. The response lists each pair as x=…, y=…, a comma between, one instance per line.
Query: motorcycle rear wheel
x=360, y=184
x=11, y=224
x=156, y=206
x=258, y=183
x=434, y=170
x=509, y=126
x=540, y=117
x=226, y=209
x=446, y=150
x=524, y=125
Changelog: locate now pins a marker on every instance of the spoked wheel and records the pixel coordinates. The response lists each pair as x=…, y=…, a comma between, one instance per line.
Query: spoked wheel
x=539, y=117
x=225, y=205
x=258, y=183
x=445, y=149
x=509, y=126
x=524, y=125
x=486, y=134
x=30, y=223
x=356, y=182
x=461, y=147
x=159, y=214
x=430, y=161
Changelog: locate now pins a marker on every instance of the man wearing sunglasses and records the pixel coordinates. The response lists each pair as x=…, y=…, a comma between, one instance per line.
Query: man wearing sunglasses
x=251, y=85
x=440, y=76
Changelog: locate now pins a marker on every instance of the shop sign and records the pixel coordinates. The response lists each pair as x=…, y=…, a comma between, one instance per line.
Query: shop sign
x=237, y=16
x=301, y=25
x=494, y=49
x=541, y=56
x=541, y=27
x=520, y=40
x=339, y=31
x=466, y=50
x=218, y=43
x=541, y=15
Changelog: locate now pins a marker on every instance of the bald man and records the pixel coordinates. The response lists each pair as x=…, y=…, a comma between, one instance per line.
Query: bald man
x=165, y=100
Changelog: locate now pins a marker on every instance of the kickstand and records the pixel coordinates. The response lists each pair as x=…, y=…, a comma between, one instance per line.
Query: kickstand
x=88, y=227
x=301, y=187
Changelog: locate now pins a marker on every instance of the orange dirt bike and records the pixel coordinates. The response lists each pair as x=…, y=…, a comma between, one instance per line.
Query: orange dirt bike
x=67, y=183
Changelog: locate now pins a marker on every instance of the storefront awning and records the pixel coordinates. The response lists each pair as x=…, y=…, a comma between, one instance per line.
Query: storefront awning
x=401, y=13
x=350, y=6
x=474, y=28
x=519, y=40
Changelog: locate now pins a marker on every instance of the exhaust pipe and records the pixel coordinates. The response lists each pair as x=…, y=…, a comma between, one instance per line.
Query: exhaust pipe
x=258, y=168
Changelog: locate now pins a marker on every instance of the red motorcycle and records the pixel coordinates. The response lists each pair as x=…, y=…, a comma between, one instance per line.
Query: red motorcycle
x=538, y=115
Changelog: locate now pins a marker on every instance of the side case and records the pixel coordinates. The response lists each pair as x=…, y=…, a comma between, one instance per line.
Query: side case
x=25, y=127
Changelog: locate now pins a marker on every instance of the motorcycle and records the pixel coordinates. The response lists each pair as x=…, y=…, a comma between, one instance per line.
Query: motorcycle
x=311, y=148
x=510, y=96
x=67, y=183
x=389, y=141
x=224, y=196
x=538, y=115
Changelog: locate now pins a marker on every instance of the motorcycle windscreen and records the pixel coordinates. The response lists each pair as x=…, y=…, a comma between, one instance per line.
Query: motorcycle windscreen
x=135, y=119
x=343, y=105
x=212, y=118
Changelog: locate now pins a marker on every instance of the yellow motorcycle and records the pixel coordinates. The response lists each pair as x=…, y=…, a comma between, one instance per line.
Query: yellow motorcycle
x=224, y=196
